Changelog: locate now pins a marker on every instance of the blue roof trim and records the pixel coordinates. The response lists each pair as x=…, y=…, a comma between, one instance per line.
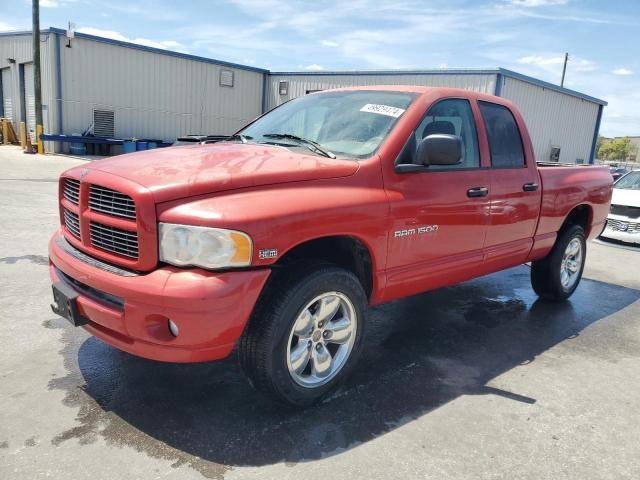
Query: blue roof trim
x=161, y=51
x=20, y=32
x=550, y=86
x=440, y=71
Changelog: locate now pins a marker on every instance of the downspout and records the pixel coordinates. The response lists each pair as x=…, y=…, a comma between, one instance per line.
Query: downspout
x=58, y=67
x=264, y=93
x=1, y=96
x=499, y=82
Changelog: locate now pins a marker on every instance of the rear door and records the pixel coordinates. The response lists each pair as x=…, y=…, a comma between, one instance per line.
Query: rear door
x=30, y=101
x=440, y=213
x=7, y=93
x=515, y=190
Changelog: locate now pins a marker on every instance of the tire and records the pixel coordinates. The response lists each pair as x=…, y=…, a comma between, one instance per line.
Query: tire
x=556, y=276
x=294, y=311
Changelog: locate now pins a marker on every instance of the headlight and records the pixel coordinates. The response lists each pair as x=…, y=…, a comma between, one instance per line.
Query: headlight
x=183, y=245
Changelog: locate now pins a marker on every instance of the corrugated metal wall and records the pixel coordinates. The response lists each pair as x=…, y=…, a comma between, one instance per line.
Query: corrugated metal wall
x=153, y=95
x=19, y=48
x=554, y=119
x=156, y=95
x=300, y=84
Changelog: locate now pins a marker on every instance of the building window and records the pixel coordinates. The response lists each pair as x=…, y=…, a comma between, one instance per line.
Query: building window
x=226, y=78
x=283, y=88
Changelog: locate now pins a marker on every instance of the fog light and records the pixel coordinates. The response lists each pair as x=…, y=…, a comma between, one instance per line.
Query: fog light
x=173, y=328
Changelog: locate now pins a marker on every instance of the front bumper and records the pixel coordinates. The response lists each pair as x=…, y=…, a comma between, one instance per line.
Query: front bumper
x=623, y=229
x=131, y=312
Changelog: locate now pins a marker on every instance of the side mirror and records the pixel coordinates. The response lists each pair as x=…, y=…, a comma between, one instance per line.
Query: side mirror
x=439, y=149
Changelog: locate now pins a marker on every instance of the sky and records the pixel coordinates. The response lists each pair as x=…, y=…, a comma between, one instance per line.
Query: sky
x=528, y=36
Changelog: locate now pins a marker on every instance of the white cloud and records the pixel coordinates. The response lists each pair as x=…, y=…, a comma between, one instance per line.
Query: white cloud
x=314, y=67
x=622, y=71
x=163, y=44
x=329, y=43
x=540, y=60
x=553, y=62
x=55, y=3
x=537, y=3
x=8, y=27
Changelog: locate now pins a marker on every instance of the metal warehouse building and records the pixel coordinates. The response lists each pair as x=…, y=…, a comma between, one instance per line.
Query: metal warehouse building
x=127, y=90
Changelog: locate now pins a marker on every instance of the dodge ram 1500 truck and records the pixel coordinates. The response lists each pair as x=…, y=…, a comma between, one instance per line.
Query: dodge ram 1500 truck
x=277, y=239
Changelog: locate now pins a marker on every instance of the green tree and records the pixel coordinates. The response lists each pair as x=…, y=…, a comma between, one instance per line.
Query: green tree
x=615, y=149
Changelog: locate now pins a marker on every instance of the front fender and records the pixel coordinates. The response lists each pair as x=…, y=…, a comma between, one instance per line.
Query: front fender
x=280, y=217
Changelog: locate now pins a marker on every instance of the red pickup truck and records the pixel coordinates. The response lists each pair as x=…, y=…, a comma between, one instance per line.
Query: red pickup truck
x=276, y=240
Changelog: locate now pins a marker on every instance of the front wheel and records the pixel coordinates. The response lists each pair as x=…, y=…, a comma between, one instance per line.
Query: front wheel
x=305, y=335
x=556, y=276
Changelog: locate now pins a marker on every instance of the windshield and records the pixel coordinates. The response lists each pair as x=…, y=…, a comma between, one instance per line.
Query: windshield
x=630, y=181
x=345, y=124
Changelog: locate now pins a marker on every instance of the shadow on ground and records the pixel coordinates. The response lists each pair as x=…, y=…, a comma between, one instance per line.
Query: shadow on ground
x=421, y=353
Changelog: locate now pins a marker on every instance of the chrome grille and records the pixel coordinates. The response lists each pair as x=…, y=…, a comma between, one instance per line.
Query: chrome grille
x=622, y=226
x=72, y=222
x=110, y=202
x=114, y=240
x=71, y=190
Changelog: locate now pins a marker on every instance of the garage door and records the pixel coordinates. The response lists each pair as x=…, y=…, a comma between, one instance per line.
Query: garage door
x=7, y=94
x=30, y=100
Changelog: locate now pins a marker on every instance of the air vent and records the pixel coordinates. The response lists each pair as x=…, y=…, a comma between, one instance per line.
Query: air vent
x=226, y=78
x=104, y=123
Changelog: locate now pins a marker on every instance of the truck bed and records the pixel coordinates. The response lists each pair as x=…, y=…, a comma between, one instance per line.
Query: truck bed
x=566, y=185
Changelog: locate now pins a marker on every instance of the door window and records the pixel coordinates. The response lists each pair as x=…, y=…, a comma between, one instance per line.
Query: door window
x=452, y=117
x=504, y=138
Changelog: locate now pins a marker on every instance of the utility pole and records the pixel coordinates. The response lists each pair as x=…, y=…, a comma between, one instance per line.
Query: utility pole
x=37, y=86
x=564, y=68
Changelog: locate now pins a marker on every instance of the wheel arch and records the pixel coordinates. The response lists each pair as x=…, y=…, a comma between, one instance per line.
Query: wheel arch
x=346, y=251
x=581, y=215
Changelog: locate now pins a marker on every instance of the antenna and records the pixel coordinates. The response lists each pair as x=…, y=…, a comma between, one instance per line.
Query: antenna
x=71, y=33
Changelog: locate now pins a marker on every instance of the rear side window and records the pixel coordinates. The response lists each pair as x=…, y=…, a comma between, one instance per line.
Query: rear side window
x=505, y=141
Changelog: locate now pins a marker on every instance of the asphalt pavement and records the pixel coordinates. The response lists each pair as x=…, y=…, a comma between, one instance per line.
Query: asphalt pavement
x=476, y=381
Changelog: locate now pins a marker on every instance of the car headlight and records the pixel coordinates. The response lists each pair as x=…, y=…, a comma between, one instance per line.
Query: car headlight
x=205, y=247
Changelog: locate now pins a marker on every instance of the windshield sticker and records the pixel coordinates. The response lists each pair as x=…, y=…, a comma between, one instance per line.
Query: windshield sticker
x=394, y=112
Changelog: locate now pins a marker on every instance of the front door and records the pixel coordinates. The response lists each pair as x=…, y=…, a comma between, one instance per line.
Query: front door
x=441, y=213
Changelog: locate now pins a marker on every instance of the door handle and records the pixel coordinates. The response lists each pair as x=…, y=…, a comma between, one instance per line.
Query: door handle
x=530, y=187
x=477, y=192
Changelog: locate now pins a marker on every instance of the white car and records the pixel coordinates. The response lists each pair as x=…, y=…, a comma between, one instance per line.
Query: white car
x=623, y=222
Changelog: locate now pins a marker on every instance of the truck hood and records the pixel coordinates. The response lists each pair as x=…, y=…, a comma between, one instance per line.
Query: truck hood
x=626, y=197
x=178, y=172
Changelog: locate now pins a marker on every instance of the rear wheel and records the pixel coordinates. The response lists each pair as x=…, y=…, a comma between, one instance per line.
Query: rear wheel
x=305, y=335
x=556, y=276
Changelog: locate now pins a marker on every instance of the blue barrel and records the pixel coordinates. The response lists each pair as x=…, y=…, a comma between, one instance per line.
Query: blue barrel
x=141, y=145
x=152, y=145
x=78, y=149
x=128, y=146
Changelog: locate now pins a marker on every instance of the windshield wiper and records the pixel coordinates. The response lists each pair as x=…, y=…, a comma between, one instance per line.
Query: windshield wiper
x=315, y=146
x=238, y=136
